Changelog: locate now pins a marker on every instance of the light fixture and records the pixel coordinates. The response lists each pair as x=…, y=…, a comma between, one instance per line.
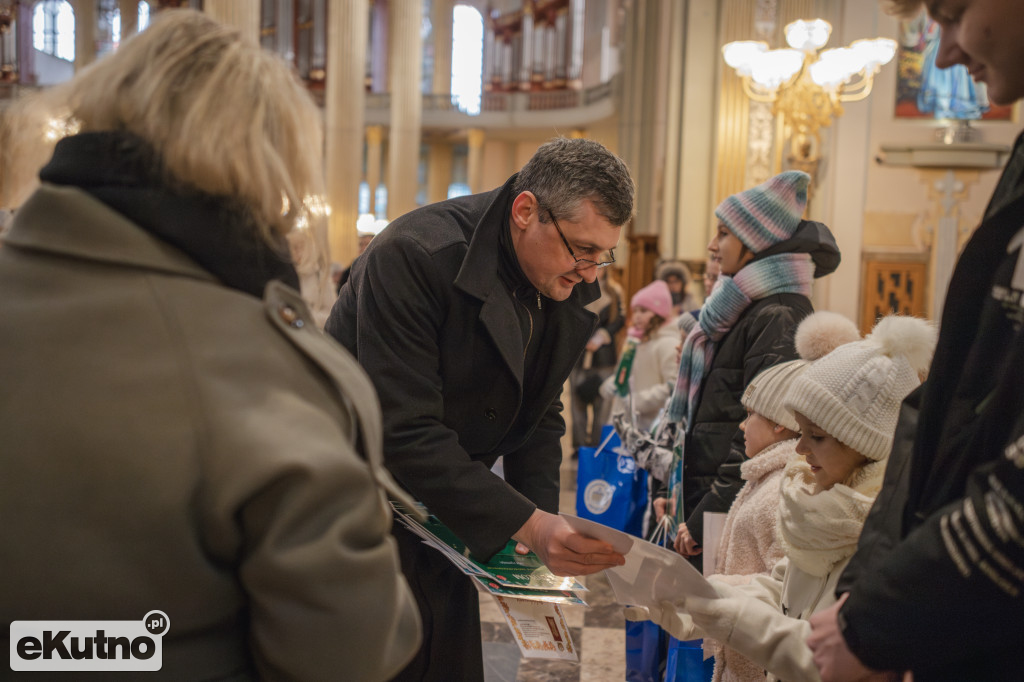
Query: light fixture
x=805, y=87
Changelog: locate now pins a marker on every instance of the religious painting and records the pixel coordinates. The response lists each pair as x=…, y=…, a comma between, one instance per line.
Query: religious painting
x=926, y=91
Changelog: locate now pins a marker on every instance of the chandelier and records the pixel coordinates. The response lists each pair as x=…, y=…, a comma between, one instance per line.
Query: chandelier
x=804, y=86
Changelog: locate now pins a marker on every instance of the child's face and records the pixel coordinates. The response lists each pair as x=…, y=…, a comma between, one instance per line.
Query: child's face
x=728, y=250
x=831, y=461
x=985, y=36
x=641, y=318
x=760, y=432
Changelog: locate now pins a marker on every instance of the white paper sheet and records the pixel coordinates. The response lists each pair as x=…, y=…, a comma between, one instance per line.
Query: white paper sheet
x=714, y=524
x=651, y=574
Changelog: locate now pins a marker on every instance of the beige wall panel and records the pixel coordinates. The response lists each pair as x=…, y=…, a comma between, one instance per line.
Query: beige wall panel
x=891, y=230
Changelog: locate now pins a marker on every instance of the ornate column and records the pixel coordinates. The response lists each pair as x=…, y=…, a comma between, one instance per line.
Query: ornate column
x=439, y=173
x=441, y=21
x=241, y=14
x=949, y=171
x=374, y=159
x=946, y=230
x=406, y=57
x=85, y=33
x=474, y=161
x=344, y=102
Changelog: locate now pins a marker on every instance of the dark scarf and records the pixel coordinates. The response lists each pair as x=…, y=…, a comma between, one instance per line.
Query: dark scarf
x=124, y=173
x=531, y=309
x=529, y=303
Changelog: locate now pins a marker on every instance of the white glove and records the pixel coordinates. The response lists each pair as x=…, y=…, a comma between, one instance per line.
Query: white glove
x=675, y=622
x=755, y=629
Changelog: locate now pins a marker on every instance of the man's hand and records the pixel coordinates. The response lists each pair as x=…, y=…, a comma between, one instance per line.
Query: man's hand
x=835, y=661
x=563, y=550
x=685, y=544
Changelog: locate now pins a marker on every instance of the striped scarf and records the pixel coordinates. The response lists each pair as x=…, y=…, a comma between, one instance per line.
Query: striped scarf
x=785, y=273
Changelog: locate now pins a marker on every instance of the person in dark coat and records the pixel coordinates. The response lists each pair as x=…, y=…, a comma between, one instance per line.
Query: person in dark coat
x=469, y=315
x=768, y=256
x=937, y=584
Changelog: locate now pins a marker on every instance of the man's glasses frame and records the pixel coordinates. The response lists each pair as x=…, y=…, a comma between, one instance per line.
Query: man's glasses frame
x=581, y=263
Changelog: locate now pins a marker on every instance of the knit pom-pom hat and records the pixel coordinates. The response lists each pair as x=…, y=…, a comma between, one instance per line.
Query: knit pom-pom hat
x=654, y=297
x=854, y=392
x=817, y=335
x=767, y=214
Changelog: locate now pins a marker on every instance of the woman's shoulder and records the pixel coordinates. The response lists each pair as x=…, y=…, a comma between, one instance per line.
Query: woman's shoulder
x=780, y=304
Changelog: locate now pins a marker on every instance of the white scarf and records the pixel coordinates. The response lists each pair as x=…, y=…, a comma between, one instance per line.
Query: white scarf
x=820, y=528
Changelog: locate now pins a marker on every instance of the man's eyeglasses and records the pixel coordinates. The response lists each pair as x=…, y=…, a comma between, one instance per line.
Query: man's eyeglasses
x=582, y=263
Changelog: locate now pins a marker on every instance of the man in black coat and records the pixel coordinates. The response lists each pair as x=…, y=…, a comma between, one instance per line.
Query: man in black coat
x=937, y=584
x=469, y=315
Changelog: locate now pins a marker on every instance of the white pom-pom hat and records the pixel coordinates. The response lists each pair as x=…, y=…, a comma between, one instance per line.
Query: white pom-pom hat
x=854, y=392
x=817, y=335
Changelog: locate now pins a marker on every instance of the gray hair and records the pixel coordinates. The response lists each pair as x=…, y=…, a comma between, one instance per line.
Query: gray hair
x=565, y=172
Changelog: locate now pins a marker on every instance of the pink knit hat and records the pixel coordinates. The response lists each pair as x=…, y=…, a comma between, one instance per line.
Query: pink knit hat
x=766, y=214
x=655, y=297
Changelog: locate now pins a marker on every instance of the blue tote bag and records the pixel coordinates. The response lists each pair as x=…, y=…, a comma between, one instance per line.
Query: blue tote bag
x=686, y=662
x=610, y=488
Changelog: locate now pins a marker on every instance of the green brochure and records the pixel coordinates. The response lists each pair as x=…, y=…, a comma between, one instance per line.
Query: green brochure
x=506, y=568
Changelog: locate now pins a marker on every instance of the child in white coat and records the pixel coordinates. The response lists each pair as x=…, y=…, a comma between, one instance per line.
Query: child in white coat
x=846, y=405
x=750, y=545
x=655, y=364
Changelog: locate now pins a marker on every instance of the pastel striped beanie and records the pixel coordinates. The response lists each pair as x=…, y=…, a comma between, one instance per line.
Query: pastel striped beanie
x=766, y=214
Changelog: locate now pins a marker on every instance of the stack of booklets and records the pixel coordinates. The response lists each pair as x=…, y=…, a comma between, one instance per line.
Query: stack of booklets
x=507, y=573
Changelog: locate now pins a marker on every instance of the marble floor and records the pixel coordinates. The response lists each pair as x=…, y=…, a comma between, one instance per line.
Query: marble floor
x=598, y=629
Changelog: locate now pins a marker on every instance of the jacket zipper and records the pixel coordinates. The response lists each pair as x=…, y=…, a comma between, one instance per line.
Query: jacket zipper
x=529, y=337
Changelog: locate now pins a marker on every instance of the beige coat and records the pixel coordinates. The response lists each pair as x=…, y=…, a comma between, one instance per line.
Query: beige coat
x=750, y=545
x=767, y=620
x=170, y=443
x=819, y=531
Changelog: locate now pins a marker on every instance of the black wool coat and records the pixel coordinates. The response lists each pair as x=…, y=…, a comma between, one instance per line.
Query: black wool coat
x=429, y=319
x=937, y=583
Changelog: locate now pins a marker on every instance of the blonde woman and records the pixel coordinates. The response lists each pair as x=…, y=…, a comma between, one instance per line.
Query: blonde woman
x=177, y=433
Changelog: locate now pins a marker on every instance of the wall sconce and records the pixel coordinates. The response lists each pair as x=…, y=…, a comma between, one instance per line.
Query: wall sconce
x=805, y=87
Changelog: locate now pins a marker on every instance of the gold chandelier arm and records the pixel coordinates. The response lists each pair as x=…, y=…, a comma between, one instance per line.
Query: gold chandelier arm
x=860, y=90
x=749, y=91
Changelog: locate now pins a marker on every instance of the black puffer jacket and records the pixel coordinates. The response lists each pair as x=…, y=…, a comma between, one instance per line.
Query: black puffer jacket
x=714, y=451
x=760, y=338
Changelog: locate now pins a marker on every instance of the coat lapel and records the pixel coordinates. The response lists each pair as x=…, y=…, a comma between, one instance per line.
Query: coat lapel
x=569, y=326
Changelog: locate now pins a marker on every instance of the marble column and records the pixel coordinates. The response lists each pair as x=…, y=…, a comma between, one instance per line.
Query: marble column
x=241, y=14
x=439, y=173
x=474, y=161
x=406, y=58
x=344, y=103
x=374, y=161
x=85, y=33
x=442, y=21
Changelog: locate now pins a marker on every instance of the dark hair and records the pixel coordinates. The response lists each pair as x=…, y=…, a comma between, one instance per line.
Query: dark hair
x=565, y=172
x=654, y=324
